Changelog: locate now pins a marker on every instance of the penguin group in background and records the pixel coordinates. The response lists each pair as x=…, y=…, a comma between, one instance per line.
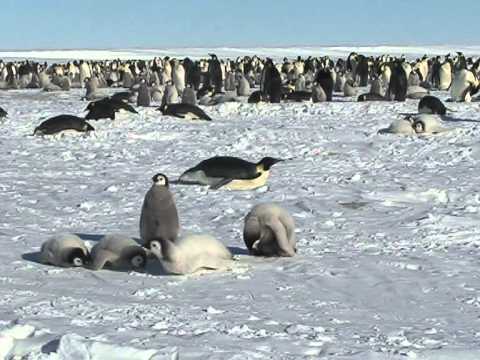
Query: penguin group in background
x=159, y=216
x=230, y=173
x=64, y=250
x=63, y=123
x=269, y=231
x=118, y=252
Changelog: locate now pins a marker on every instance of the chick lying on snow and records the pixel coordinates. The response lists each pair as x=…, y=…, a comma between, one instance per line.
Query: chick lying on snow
x=421, y=124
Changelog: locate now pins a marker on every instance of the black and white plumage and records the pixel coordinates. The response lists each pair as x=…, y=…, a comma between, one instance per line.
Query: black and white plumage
x=3, y=113
x=64, y=250
x=159, y=216
x=269, y=230
x=106, y=108
x=184, y=111
x=61, y=123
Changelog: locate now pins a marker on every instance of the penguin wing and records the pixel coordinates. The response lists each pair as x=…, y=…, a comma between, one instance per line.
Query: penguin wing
x=220, y=182
x=280, y=234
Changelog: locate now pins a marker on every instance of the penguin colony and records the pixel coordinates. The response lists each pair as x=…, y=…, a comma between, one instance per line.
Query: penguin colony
x=177, y=87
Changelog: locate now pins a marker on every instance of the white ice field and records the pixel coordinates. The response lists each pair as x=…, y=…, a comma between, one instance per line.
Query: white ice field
x=388, y=230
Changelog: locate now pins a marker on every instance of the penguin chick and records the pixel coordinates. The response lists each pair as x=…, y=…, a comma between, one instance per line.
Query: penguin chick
x=64, y=250
x=118, y=252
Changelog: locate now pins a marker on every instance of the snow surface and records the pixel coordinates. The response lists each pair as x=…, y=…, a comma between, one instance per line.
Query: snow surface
x=387, y=229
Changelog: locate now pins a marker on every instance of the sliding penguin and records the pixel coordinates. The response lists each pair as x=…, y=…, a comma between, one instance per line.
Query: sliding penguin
x=269, y=231
x=190, y=254
x=431, y=105
x=184, y=111
x=64, y=250
x=159, y=216
x=63, y=123
x=229, y=172
x=118, y=252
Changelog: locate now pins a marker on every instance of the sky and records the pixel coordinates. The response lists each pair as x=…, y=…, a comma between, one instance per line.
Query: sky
x=109, y=24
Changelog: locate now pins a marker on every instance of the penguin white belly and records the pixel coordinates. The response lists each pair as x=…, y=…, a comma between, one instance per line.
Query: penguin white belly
x=248, y=184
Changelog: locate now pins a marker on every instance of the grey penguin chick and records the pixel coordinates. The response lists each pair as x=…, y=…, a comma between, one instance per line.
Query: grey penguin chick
x=118, y=252
x=269, y=231
x=190, y=254
x=159, y=216
x=64, y=250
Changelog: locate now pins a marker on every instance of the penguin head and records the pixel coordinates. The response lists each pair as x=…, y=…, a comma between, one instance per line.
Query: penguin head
x=419, y=127
x=76, y=257
x=160, y=180
x=268, y=162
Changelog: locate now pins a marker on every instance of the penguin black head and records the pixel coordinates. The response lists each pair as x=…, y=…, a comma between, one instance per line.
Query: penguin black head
x=268, y=162
x=419, y=127
x=160, y=180
x=135, y=256
x=76, y=257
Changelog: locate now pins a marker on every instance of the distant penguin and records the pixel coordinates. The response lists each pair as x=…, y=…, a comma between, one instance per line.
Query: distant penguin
x=397, y=89
x=318, y=94
x=271, y=82
x=349, y=89
x=143, y=98
x=91, y=88
x=243, y=88
x=3, y=113
x=300, y=84
x=230, y=173
x=377, y=87
x=157, y=93
x=445, y=76
x=106, y=108
x=178, y=76
x=255, y=97
x=62, y=123
x=118, y=252
x=171, y=95
x=159, y=216
x=340, y=82
x=230, y=82
x=269, y=230
x=191, y=254
x=464, y=85
x=299, y=95
x=324, y=78
x=189, y=96
x=431, y=105
x=184, y=111
x=64, y=250
x=371, y=97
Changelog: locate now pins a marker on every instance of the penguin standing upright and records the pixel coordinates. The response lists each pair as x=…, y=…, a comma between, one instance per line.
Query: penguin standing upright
x=243, y=88
x=271, y=82
x=398, y=82
x=189, y=96
x=318, y=94
x=464, y=85
x=324, y=78
x=159, y=216
x=445, y=75
x=215, y=73
x=170, y=96
x=178, y=76
x=143, y=98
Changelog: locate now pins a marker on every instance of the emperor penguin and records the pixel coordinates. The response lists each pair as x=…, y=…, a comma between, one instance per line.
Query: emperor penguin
x=143, y=98
x=63, y=123
x=340, y=82
x=191, y=254
x=399, y=127
x=178, y=76
x=431, y=105
x=445, y=75
x=427, y=124
x=189, y=96
x=159, y=216
x=65, y=250
x=229, y=172
x=243, y=88
x=269, y=230
x=171, y=94
x=318, y=94
x=464, y=85
x=324, y=78
x=118, y=252
x=397, y=88
x=349, y=89
x=157, y=93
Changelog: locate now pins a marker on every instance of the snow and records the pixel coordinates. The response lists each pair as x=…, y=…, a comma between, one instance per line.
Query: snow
x=387, y=229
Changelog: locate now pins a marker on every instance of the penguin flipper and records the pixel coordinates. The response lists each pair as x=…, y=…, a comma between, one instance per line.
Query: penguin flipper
x=101, y=257
x=221, y=182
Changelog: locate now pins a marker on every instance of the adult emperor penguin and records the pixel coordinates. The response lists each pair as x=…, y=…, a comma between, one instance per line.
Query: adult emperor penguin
x=184, y=111
x=229, y=172
x=431, y=105
x=324, y=78
x=269, y=231
x=64, y=250
x=159, y=216
x=189, y=96
x=118, y=252
x=190, y=254
x=318, y=94
x=62, y=123
x=349, y=89
x=464, y=85
x=445, y=75
x=397, y=88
